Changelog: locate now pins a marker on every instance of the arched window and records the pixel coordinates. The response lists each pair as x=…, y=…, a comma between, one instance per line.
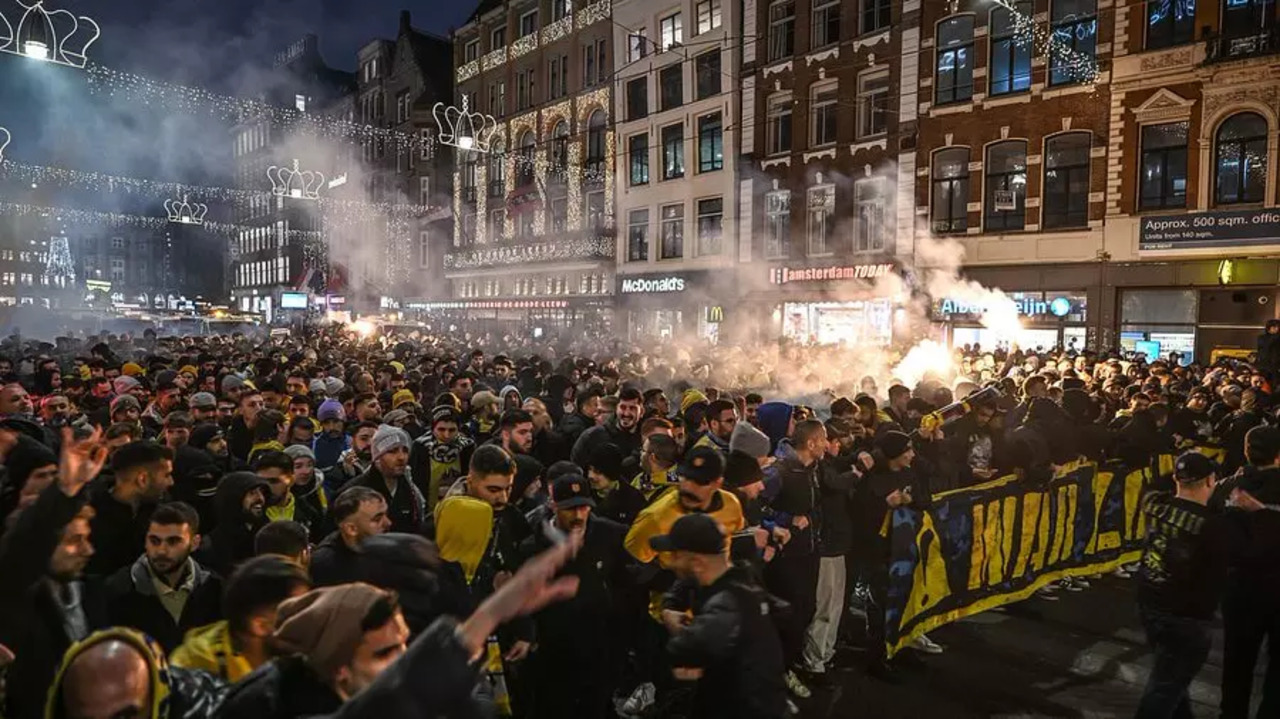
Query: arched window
x=524, y=160
x=1005, y=202
x=1066, y=180
x=949, y=204
x=595, y=142
x=497, y=168
x=953, y=76
x=559, y=151
x=1011, y=41
x=1240, y=159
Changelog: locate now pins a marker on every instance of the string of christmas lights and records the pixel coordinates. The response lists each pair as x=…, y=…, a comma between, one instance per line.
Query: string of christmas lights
x=1064, y=57
x=116, y=83
x=122, y=219
x=40, y=174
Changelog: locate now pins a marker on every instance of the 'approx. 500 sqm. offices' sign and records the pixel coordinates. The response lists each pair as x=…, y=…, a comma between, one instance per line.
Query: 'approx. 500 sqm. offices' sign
x=1209, y=229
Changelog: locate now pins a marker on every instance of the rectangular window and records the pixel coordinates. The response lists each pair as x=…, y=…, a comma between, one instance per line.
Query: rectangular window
x=823, y=113
x=524, y=227
x=708, y=15
x=300, y=102
x=559, y=214
x=1011, y=42
x=869, y=202
x=953, y=72
x=559, y=10
x=495, y=225
x=470, y=52
x=529, y=23
x=637, y=45
x=672, y=31
x=710, y=226
x=778, y=127
x=1066, y=181
x=594, y=210
x=638, y=98
x=710, y=143
x=825, y=22
x=673, y=151
x=558, y=77
x=402, y=106
x=782, y=25
x=671, y=80
x=821, y=225
x=498, y=38
x=777, y=229
x=873, y=104
x=638, y=236
x=672, y=232
x=1074, y=28
x=707, y=69
x=875, y=15
x=497, y=173
x=1170, y=22
x=1163, y=178
x=638, y=152
x=1005, y=194
x=588, y=66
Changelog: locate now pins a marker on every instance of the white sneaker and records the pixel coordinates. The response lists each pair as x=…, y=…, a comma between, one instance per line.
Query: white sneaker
x=1070, y=585
x=924, y=644
x=795, y=686
x=1122, y=573
x=1080, y=582
x=1047, y=594
x=640, y=700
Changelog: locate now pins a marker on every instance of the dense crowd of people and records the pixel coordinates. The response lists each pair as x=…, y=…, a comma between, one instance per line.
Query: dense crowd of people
x=331, y=525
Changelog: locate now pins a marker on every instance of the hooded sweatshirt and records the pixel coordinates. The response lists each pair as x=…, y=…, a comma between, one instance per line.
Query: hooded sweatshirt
x=232, y=541
x=176, y=693
x=775, y=420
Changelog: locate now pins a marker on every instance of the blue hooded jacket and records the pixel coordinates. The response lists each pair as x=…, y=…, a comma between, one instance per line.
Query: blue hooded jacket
x=775, y=420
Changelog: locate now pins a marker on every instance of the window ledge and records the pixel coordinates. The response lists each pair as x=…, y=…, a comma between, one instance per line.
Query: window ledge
x=826, y=152
x=825, y=54
x=1063, y=90
x=1018, y=98
x=955, y=109
x=874, y=38
x=879, y=143
x=783, y=161
x=777, y=68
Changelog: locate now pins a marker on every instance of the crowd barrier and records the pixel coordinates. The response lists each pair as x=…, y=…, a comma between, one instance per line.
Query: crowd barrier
x=981, y=547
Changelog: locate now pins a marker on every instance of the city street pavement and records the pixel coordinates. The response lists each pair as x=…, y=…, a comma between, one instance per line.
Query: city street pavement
x=1081, y=656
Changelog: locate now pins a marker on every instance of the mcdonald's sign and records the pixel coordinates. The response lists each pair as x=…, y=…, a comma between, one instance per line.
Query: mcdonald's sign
x=715, y=314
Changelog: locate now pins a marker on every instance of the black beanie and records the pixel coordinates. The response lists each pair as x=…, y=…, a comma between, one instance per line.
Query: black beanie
x=893, y=444
x=741, y=469
x=1261, y=445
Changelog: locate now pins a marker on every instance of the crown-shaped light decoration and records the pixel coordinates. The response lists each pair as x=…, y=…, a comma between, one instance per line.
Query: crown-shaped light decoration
x=5, y=137
x=293, y=182
x=185, y=212
x=464, y=129
x=56, y=36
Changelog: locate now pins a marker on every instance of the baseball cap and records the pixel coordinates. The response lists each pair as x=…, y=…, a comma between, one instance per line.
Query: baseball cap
x=571, y=490
x=203, y=400
x=702, y=465
x=1193, y=467
x=697, y=533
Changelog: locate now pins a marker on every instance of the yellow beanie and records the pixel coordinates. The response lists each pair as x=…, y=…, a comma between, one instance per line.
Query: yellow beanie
x=131, y=369
x=690, y=398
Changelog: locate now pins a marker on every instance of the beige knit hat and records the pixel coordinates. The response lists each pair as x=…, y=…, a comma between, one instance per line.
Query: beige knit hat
x=324, y=625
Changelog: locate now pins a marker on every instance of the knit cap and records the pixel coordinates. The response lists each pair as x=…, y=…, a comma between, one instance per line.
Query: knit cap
x=299, y=451
x=402, y=397
x=690, y=398
x=331, y=409
x=203, y=400
x=325, y=625
x=749, y=440
x=333, y=385
x=131, y=369
x=123, y=384
x=388, y=438
x=125, y=401
x=231, y=382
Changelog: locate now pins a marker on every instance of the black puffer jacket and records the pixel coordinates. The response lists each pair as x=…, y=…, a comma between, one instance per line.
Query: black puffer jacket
x=836, y=480
x=407, y=564
x=284, y=688
x=334, y=563
x=232, y=542
x=132, y=602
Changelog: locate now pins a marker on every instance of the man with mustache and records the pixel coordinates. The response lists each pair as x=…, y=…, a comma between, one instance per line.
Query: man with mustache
x=240, y=505
x=576, y=667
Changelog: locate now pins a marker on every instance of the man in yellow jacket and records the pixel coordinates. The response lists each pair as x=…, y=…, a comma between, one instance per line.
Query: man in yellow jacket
x=237, y=645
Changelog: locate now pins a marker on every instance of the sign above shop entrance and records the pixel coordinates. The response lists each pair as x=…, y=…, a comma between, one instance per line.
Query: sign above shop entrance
x=647, y=285
x=786, y=275
x=1032, y=305
x=1210, y=229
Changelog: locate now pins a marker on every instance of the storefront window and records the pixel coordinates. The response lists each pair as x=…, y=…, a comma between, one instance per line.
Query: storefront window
x=1166, y=317
x=863, y=322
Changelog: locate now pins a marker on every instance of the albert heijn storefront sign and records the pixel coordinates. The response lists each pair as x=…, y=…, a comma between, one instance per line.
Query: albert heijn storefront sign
x=837, y=273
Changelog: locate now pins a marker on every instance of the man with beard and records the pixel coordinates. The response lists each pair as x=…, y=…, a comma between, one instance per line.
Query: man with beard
x=332, y=440
x=122, y=512
x=15, y=402
x=165, y=593
x=485, y=409
x=515, y=432
x=241, y=433
x=438, y=458
x=168, y=395
x=355, y=461
x=622, y=429
x=232, y=648
x=586, y=405
x=579, y=638
x=240, y=505
x=45, y=606
x=390, y=454
x=55, y=411
x=360, y=513
x=730, y=647
x=659, y=455
x=203, y=407
x=549, y=446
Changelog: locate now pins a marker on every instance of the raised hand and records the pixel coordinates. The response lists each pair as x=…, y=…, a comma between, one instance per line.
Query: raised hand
x=81, y=460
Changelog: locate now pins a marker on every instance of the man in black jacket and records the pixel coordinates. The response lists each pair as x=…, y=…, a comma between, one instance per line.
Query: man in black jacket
x=622, y=429
x=577, y=663
x=45, y=606
x=241, y=506
x=1269, y=348
x=730, y=646
x=360, y=513
x=165, y=592
x=406, y=506
x=122, y=512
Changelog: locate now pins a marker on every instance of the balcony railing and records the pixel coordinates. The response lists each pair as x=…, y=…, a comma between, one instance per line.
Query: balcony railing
x=468, y=70
x=494, y=58
x=580, y=245
x=1220, y=48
